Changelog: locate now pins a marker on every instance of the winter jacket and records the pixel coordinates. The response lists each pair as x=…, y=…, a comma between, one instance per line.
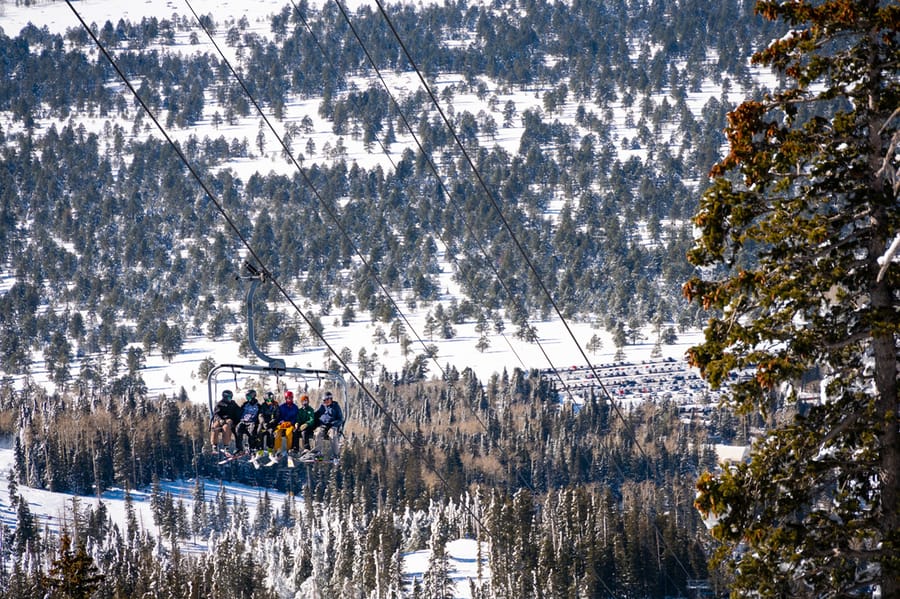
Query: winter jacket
x=268, y=414
x=250, y=412
x=306, y=416
x=288, y=412
x=329, y=416
x=227, y=409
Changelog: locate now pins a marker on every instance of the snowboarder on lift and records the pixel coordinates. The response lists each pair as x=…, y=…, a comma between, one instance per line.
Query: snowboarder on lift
x=225, y=418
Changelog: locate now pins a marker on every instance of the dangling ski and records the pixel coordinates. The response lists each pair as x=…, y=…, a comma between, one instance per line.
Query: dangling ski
x=310, y=456
x=230, y=457
x=255, y=459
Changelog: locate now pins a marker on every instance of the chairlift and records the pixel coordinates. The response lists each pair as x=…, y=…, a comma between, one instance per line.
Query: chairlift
x=240, y=377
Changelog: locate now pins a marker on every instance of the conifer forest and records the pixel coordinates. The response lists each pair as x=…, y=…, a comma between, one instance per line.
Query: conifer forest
x=677, y=165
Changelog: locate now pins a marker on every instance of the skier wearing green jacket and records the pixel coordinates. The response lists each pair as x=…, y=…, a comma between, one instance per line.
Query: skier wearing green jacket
x=305, y=421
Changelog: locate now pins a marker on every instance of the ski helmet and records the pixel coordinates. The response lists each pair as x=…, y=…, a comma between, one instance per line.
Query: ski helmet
x=289, y=395
x=227, y=394
x=251, y=394
x=270, y=396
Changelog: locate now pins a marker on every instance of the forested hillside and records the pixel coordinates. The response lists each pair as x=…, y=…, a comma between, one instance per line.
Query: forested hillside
x=570, y=502
x=114, y=247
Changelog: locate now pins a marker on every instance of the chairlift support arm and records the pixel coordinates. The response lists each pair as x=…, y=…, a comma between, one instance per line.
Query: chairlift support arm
x=256, y=277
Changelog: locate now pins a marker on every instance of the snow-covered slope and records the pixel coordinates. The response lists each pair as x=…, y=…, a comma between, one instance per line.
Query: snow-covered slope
x=54, y=511
x=557, y=349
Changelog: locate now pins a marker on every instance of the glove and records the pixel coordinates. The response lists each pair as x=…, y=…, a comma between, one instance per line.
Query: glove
x=303, y=426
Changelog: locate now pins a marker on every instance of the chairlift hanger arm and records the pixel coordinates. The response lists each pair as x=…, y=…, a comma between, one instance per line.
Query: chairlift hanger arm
x=256, y=277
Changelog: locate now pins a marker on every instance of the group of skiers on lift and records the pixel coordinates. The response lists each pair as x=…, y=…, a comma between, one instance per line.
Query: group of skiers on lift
x=275, y=428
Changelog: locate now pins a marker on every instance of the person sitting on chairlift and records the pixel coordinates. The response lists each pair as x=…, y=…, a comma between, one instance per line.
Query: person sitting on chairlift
x=328, y=416
x=305, y=421
x=287, y=422
x=224, y=421
x=268, y=420
x=248, y=424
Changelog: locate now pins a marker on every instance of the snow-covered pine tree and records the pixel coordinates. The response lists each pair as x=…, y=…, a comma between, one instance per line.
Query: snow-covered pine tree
x=436, y=580
x=73, y=573
x=791, y=232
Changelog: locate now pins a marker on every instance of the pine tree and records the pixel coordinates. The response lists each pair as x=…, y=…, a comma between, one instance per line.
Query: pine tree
x=131, y=522
x=73, y=575
x=436, y=579
x=27, y=535
x=122, y=459
x=799, y=213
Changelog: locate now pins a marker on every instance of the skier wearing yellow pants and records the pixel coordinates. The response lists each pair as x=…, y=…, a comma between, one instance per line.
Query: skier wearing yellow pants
x=287, y=421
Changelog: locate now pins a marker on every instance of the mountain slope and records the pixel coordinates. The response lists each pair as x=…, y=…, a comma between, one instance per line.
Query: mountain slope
x=593, y=159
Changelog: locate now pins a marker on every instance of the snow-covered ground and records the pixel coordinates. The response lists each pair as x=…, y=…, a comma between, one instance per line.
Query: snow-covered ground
x=54, y=511
x=505, y=353
x=557, y=349
x=58, y=17
x=463, y=556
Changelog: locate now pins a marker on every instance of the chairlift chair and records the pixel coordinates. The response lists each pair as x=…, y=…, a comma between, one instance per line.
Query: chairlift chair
x=243, y=376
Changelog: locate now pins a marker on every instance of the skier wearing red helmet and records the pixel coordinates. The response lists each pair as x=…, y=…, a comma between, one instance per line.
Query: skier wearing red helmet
x=288, y=413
